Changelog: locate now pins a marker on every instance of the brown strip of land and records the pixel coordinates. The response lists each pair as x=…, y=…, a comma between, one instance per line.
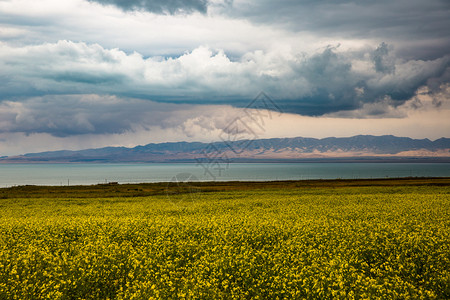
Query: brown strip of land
x=161, y=188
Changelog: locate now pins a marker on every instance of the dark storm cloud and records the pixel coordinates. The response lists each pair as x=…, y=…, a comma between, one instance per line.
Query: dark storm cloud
x=416, y=18
x=335, y=86
x=381, y=60
x=420, y=28
x=159, y=6
x=65, y=115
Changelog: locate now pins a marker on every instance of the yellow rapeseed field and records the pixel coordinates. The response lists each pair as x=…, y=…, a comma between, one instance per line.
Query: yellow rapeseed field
x=306, y=243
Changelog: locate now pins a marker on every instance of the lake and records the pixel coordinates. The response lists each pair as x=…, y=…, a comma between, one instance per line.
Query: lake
x=86, y=174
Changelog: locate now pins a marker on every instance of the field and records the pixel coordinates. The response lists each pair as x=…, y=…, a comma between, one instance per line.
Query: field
x=349, y=239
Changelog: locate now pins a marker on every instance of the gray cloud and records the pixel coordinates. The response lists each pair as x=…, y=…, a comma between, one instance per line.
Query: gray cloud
x=159, y=6
x=423, y=101
x=64, y=115
x=90, y=114
x=383, y=63
x=419, y=28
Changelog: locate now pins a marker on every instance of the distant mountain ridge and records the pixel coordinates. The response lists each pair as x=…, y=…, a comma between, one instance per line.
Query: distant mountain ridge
x=298, y=148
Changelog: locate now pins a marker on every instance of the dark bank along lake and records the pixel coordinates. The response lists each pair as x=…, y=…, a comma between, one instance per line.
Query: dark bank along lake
x=85, y=174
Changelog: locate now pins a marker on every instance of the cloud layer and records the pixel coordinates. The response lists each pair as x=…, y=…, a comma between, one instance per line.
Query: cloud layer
x=159, y=6
x=324, y=82
x=85, y=71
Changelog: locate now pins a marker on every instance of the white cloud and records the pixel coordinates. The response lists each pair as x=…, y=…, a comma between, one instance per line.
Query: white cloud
x=307, y=84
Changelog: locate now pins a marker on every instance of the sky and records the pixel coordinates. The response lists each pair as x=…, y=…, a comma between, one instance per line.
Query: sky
x=78, y=74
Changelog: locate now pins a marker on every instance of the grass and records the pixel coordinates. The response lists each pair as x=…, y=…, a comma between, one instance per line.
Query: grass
x=344, y=239
x=152, y=189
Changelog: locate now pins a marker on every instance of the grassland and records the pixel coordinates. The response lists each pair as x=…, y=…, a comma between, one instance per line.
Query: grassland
x=344, y=239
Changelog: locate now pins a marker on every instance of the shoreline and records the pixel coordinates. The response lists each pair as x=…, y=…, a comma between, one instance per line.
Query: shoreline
x=164, y=188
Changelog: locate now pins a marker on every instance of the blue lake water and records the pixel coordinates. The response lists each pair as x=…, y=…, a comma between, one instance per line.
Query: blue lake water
x=85, y=174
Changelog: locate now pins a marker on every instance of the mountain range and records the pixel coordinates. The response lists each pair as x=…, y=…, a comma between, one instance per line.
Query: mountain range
x=361, y=147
